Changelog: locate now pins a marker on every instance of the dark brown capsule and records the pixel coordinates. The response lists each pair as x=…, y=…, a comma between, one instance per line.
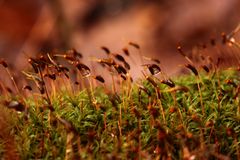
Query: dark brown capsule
x=76, y=54
x=84, y=69
x=119, y=57
x=115, y=99
x=27, y=87
x=219, y=61
x=205, y=68
x=81, y=66
x=135, y=45
x=192, y=68
x=99, y=78
x=123, y=77
x=153, y=68
x=9, y=90
x=126, y=52
x=106, y=50
x=120, y=69
x=42, y=58
x=102, y=64
x=41, y=89
x=15, y=105
x=224, y=38
x=41, y=62
x=131, y=79
x=33, y=64
x=202, y=57
x=213, y=41
x=44, y=61
x=152, y=82
x=204, y=46
x=31, y=60
x=66, y=75
x=69, y=57
x=4, y=63
x=179, y=48
x=168, y=82
x=156, y=60
x=140, y=87
x=38, y=62
x=126, y=65
x=109, y=62
x=72, y=55
x=51, y=76
x=40, y=85
x=63, y=68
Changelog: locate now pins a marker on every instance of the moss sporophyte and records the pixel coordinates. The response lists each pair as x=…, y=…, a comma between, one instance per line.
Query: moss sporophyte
x=64, y=110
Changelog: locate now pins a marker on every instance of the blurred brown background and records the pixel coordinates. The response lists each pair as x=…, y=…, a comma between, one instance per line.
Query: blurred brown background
x=28, y=27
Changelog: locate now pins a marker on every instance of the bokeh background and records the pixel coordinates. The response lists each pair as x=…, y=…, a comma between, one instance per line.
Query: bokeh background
x=28, y=27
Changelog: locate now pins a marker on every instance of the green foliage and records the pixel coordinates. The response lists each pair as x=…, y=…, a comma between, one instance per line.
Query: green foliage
x=118, y=125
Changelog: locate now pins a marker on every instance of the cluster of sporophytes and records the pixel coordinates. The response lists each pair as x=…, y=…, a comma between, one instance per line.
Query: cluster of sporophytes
x=66, y=112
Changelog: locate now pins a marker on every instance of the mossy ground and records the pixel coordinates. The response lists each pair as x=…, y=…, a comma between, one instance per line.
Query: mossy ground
x=198, y=118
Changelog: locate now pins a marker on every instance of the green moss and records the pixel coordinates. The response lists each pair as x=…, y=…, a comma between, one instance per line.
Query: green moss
x=119, y=125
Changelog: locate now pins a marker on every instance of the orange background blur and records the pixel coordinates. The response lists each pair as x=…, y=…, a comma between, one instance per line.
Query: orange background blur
x=28, y=27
